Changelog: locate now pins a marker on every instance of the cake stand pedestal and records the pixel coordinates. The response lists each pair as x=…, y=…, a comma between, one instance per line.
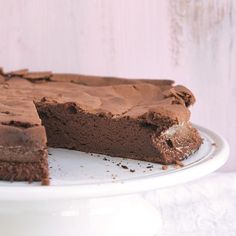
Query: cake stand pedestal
x=111, y=216
x=93, y=195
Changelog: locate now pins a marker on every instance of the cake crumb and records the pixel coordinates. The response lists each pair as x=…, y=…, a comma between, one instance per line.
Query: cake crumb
x=164, y=167
x=179, y=163
x=176, y=166
x=45, y=182
x=151, y=166
x=124, y=167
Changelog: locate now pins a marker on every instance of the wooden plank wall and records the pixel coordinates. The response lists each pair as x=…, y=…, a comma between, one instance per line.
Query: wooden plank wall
x=190, y=41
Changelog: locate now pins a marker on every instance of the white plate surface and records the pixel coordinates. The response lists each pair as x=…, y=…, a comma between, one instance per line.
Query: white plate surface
x=76, y=175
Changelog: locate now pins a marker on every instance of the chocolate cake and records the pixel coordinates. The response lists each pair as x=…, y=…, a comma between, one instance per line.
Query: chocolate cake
x=145, y=120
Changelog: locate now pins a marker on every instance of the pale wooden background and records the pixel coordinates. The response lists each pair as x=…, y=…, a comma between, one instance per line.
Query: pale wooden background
x=190, y=41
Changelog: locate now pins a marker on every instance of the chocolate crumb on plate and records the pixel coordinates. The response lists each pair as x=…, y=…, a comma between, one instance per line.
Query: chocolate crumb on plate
x=164, y=167
x=124, y=167
x=151, y=166
x=176, y=166
x=180, y=163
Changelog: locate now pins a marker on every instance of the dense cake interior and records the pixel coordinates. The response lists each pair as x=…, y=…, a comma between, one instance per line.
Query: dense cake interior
x=68, y=126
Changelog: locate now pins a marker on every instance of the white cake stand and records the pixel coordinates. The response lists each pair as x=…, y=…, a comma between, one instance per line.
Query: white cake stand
x=94, y=195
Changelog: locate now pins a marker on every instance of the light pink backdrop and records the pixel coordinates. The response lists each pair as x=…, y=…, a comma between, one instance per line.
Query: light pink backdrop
x=190, y=41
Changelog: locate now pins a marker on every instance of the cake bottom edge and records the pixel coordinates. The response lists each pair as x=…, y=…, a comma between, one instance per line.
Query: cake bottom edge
x=25, y=171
